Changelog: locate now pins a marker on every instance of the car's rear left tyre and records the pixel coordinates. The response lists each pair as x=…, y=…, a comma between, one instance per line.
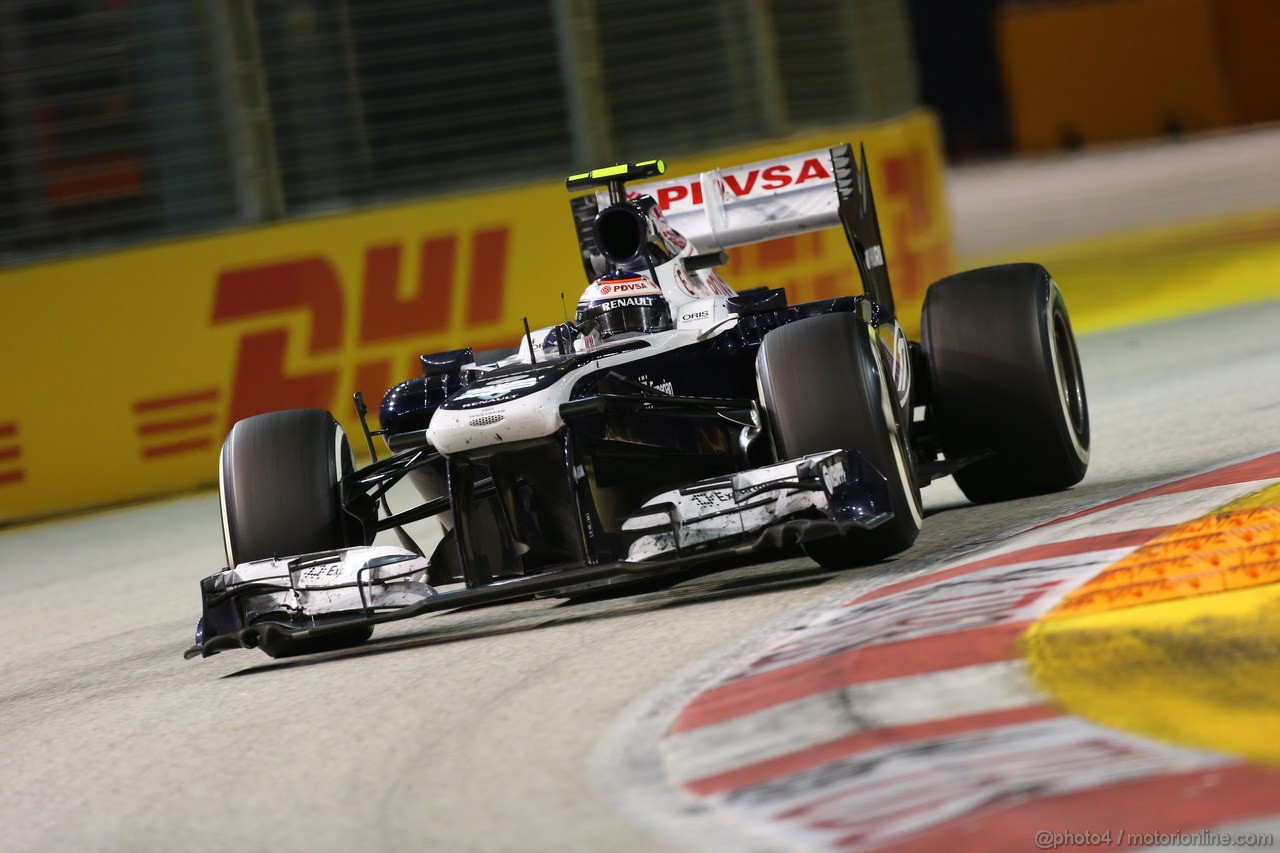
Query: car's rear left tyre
x=1006, y=382
x=823, y=387
x=278, y=486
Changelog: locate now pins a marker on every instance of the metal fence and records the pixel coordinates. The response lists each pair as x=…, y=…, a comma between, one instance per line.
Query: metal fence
x=130, y=120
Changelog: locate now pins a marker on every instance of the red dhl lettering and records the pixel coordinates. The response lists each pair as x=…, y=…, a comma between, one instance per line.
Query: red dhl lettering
x=261, y=380
x=771, y=178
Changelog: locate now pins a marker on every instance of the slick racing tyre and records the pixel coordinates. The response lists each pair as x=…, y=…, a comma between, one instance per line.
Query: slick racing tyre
x=278, y=485
x=823, y=387
x=1006, y=382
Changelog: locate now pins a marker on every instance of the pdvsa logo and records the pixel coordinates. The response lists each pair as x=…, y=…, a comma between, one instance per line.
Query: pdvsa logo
x=767, y=179
x=629, y=287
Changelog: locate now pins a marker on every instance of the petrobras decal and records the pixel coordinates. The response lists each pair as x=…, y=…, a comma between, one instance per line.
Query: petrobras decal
x=682, y=280
x=717, y=284
x=753, y=180
x=676, y=243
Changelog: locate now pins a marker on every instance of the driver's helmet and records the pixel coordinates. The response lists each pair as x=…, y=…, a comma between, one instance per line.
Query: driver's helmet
x=623, y=302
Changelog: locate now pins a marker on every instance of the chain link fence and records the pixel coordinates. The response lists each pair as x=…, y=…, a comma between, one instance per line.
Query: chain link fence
x=130, y=120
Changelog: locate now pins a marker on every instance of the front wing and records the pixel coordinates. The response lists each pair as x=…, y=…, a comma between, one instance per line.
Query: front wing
x=299, y=598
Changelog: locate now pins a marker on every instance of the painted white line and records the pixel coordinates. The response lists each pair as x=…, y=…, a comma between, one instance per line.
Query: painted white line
x=877, y=796
x=823, y=717
x=994, y=596
x=1171, y=509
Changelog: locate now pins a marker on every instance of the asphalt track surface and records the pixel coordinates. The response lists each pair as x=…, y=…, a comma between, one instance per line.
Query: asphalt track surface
x=474, y=730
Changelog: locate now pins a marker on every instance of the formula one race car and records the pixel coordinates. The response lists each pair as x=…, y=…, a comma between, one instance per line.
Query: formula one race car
x=673, y=422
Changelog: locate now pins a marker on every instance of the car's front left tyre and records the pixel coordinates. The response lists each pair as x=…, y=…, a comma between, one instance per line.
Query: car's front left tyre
x=278, y=486
x=823, y=386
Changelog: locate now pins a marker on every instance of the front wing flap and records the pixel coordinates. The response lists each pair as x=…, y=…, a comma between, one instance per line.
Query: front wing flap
x=838, y=487
x=311, y=595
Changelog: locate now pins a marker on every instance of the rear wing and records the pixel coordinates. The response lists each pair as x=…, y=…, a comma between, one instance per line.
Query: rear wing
x=761, y=201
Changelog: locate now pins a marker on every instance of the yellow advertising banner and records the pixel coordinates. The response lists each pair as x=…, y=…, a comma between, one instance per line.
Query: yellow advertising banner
x=124, y=371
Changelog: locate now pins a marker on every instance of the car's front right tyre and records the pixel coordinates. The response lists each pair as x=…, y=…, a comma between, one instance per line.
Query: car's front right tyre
x=1007, y=383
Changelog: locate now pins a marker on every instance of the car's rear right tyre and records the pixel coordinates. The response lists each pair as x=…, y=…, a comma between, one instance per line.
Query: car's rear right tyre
x=278, y=486
x=1006, y=382
x=823, y=387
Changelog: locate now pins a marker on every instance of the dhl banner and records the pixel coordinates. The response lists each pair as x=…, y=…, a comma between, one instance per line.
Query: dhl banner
x=123, y=371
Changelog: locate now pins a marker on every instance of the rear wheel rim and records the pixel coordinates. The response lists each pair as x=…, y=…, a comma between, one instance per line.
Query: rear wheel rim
x=1068, y=377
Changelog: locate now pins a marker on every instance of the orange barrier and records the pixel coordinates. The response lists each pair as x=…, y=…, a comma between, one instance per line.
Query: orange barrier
x=1101, y=71
x=1248, y=32
x=124, y=371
